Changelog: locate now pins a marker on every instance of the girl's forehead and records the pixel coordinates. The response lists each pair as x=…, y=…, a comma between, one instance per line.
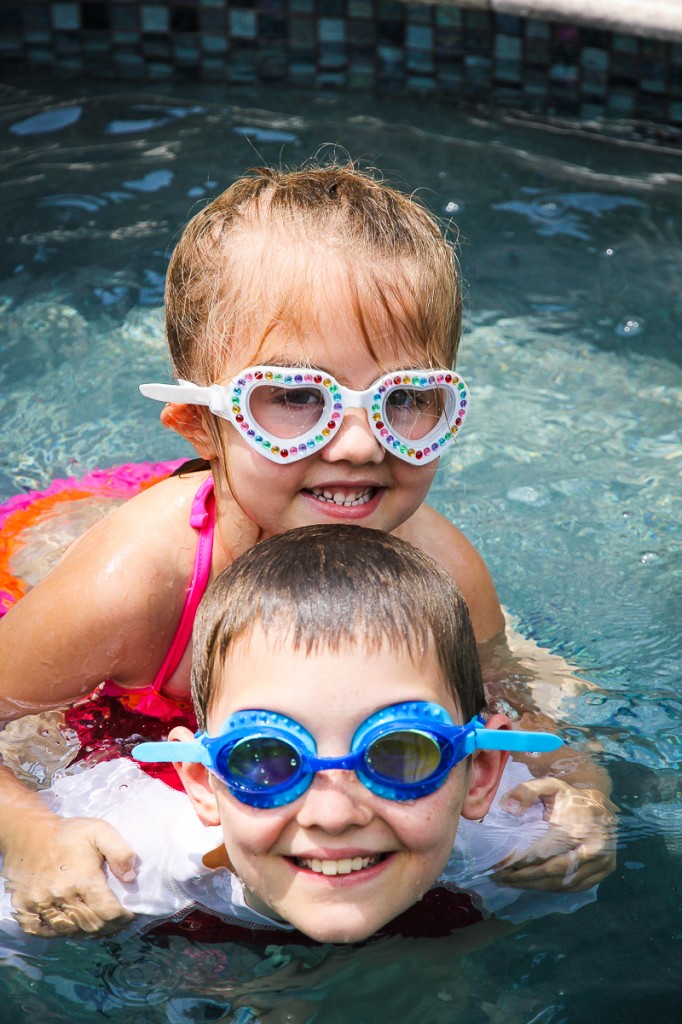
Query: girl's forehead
x=332, y=318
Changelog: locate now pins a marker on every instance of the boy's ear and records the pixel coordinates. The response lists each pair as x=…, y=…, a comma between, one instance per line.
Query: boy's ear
x=188, y=421
x=197, y=782
x=486, y=772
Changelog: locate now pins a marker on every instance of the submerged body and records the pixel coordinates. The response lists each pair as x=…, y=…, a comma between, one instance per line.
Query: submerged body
x=324, y=269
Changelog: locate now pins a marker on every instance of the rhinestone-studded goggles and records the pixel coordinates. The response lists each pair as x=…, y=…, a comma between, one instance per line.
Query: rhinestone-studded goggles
x=288, y=413
x=403, y=752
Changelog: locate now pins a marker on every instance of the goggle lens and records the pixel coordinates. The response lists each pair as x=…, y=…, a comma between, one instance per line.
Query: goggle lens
x=261, y=763
x=413, y=413
x=404, y=757
x=287, y=412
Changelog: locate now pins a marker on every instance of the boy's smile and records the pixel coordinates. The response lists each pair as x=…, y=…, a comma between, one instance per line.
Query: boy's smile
x=339, y=862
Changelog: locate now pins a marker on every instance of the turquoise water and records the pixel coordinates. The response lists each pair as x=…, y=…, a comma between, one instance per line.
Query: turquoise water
x=567, y=479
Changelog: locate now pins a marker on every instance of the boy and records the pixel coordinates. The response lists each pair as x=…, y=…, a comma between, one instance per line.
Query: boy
x=328, y=779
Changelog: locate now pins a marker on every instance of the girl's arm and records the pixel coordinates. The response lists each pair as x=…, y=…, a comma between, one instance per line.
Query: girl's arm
x=53, y=865
x=108, y=610
x=580, y=850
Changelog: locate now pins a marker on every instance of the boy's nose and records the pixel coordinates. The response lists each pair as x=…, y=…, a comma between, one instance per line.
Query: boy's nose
x=354, y=441
x=335, y=801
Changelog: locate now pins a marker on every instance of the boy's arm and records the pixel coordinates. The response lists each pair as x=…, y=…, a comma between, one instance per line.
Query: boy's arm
x=53, y=865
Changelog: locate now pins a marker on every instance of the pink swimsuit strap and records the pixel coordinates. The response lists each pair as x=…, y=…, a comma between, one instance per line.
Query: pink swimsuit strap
x=202, y=518
x=150, y=700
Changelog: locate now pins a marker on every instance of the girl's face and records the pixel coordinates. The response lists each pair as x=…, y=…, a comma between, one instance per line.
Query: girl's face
x=352, y=479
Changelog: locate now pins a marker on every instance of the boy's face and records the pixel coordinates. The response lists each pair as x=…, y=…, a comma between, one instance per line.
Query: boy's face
x=395, y=850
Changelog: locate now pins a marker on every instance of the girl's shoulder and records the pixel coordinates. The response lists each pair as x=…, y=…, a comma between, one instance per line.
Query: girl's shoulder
x=110, y=607
x=453, y=551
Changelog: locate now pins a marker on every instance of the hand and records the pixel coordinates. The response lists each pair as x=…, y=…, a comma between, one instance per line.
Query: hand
x=56, y=878
x=578, y=850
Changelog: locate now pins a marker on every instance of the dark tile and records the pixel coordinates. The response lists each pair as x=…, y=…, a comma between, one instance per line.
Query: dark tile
x=184, y=19
x=95, y=16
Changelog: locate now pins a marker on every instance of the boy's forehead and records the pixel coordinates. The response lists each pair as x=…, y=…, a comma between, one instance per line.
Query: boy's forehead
x=274, y=667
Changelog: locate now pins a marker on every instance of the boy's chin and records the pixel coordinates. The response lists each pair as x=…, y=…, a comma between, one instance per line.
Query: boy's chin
x=340, y=929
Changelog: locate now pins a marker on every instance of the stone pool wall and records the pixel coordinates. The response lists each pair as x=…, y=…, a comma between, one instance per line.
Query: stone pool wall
x=568, y=58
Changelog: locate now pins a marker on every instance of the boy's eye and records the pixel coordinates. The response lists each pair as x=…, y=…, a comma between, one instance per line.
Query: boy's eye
x=406, y=756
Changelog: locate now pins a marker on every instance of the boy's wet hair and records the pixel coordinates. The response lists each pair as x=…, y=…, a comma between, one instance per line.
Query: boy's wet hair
x=329, y=587
x=255, y=256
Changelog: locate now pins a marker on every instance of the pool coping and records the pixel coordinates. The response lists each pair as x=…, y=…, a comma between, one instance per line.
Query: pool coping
x=652, y=19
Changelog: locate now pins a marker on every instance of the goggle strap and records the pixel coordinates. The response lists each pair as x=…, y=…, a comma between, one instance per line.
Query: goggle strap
x=513, y=740
x=183, y=392
x=169, y=750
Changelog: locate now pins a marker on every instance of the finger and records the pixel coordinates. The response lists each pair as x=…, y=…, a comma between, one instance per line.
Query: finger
x=99, y=907
x=523, y=796
x=555, y=843
x=113, y=848
x=561, y=874
x=45, y=926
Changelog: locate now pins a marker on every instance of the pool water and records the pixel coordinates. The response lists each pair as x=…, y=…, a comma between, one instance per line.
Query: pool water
x=567, y=479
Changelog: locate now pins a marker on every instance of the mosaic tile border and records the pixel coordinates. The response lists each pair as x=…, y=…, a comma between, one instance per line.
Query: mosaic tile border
x=468, y=50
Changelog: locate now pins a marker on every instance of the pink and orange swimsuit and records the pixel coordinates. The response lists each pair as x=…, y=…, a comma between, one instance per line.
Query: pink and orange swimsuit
x=112, y=720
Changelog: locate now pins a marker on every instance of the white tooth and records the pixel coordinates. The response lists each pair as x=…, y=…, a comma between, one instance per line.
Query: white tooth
x=329, y=495
x=329, y=867
x=358, y=863
x=344, y=867
x=316, y=865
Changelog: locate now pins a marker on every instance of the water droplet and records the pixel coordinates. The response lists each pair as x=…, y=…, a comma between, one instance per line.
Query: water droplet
x=453, y=207
x=648, y=557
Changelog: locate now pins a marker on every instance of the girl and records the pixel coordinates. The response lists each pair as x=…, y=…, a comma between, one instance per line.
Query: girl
x=315, y=315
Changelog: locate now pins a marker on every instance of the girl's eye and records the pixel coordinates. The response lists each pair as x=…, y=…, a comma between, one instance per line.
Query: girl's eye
x=297, y=397
x=405, y=399
x=286, y=412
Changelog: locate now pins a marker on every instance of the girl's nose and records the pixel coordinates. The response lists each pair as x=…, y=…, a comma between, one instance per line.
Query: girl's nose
x=354, y=442
x=335, y=801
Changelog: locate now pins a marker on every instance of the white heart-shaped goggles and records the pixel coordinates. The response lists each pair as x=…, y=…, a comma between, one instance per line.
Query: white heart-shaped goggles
x=287, y=413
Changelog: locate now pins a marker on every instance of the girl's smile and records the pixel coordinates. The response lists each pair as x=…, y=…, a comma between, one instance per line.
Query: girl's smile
x=353, y=478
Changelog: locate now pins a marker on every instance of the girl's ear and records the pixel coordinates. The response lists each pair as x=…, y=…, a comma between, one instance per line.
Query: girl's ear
x=189, y=422
x=197, y=782
x=486, y=773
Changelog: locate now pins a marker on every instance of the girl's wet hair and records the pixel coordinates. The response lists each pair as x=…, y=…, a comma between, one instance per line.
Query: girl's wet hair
x=329, y=587
x=254, y=256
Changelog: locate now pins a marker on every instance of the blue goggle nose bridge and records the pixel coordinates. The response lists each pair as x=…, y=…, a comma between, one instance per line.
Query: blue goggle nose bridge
x=450, y=743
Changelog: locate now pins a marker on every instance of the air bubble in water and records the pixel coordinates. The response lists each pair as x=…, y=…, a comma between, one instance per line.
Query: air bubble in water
x=629, y=328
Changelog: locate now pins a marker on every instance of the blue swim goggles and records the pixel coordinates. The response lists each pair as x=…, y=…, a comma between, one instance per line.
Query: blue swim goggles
x=403, y=752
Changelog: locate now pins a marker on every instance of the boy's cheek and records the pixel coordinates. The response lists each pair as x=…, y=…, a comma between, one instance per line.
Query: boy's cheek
x=247, y=831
